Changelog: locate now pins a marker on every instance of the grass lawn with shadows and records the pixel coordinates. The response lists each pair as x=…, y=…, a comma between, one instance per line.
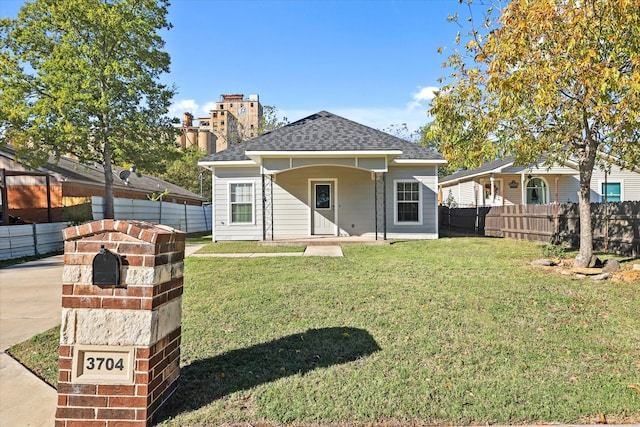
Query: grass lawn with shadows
x=455, y=331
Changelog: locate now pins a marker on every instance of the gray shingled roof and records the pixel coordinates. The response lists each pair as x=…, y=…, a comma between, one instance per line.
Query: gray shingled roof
x=324, y=132
x=72, y=170
x=487, y=167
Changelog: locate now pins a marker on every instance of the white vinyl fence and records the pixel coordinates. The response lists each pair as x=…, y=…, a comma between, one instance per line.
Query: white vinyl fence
x=35, y=239
x=30, y=239
x=187, y=218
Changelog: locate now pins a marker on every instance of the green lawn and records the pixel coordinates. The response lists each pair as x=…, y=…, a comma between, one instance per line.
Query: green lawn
x=458, y=331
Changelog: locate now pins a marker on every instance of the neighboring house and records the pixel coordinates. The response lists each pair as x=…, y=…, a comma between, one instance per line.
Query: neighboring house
x=328, y=176
x=501, y=182
x=61, y=191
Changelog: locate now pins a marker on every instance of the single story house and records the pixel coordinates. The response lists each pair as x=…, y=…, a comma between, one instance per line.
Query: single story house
x=501, y=182
x=62, y=190
x=324, y=175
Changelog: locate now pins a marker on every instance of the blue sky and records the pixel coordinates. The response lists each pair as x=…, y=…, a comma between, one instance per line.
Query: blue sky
x=373, y=61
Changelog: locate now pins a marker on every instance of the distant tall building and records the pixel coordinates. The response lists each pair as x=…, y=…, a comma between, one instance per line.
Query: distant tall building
x=234, y=119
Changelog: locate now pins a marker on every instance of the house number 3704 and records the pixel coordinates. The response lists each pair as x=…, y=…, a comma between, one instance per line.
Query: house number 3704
x=103, y=364
x=107, y=362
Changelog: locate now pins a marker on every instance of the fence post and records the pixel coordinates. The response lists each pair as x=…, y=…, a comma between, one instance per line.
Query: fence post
x=556, y=230
x=204, y=214
x=606, y=223
x=35, y=240
x=186, y=224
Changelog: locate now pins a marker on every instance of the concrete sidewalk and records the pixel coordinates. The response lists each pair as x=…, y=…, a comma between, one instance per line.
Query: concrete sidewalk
x=30, y=303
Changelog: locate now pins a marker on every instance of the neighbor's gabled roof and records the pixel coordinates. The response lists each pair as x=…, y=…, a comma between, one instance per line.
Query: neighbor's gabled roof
x=70, y=170
x=498, y=166
x=495, y=166
x=324, y=133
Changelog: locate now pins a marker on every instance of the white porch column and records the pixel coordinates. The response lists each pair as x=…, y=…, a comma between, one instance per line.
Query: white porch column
x=492, y=180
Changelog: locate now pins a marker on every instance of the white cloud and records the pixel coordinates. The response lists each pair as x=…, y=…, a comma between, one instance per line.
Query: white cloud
x=426, y=93
x=211, y=105
x=423, y=94
x=190, y=105
x=183, y=106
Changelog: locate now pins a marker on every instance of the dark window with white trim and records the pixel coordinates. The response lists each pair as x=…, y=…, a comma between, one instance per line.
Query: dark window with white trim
x=241, y=202
x=536, y=192
x=407, y=201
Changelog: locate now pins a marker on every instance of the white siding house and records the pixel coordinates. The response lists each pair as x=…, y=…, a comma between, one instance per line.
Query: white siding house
x=501, y=183
x=324, y=175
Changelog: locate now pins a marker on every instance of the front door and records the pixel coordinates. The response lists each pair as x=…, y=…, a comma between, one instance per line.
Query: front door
x=323, y=215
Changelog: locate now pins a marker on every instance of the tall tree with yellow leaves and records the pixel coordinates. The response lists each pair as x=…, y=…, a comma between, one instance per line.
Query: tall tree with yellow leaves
x=559, y=79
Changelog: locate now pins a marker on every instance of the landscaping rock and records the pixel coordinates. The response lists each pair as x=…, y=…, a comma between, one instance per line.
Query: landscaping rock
x=595, y=262
x=545, y=262
x=611, y=265
x=586, y=271
x=636, y=267
x=603, y=276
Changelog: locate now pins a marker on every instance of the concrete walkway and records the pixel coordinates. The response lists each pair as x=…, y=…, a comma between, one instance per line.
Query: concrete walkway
x=30, y=300
x=30, y=303
x=332, y=250
x=323, y=251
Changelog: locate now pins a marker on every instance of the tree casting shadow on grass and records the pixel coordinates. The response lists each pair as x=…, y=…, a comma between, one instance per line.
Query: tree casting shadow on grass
x=204, y=381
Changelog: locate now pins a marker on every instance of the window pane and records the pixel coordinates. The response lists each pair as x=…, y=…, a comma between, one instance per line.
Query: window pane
x=536, y=192
x=323, y=196
x=241, y=193
x=612, y=191
x=408, y=191
x=241, y=213
x=408, y=198
x=408, y=212
x=241, y=202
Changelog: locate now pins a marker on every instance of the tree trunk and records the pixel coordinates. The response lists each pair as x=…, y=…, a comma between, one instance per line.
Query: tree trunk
x=586, y=162
x=108, y=182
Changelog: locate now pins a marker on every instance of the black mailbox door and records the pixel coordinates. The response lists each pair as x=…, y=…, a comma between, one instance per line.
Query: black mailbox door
x=106, y=268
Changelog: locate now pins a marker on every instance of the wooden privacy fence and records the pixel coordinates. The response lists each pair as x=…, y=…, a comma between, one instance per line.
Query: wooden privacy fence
x=615, y=226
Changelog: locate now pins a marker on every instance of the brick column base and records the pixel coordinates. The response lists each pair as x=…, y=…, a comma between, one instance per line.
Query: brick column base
x=141, y=318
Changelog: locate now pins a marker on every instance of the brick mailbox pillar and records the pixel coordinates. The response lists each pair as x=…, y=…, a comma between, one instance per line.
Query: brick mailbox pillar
x=121, y=315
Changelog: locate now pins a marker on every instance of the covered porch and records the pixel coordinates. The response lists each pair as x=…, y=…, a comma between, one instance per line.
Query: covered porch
x=324, y=197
